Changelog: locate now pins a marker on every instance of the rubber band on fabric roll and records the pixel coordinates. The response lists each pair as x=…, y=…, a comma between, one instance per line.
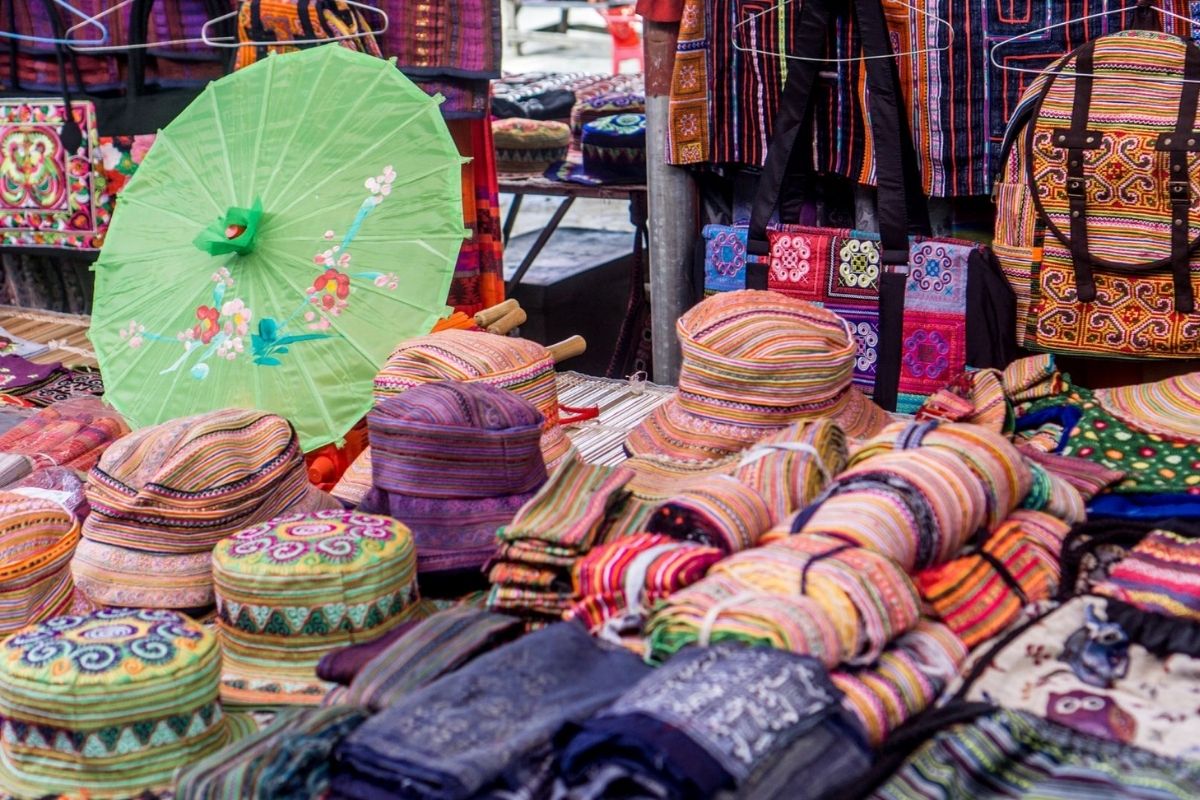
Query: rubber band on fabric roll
x=721, y=512
x=791, y=468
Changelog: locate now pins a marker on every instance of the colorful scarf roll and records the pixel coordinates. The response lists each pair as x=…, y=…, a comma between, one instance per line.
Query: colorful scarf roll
x=721, y=512
x=981, y=596
x=1054, y=495
x=997, y=464
x=867, y=596
x=622, y=579
x=73, y=433
x=790, y=468
x=722, y=608
x=884, y=518
x=37, y=540
x=905, y=680
x=1160, y=574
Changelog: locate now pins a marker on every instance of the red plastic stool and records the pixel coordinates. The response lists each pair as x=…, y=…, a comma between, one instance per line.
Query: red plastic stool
x=626, y=40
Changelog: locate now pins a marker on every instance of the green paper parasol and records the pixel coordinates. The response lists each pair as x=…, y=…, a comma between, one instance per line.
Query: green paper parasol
x=284, y=233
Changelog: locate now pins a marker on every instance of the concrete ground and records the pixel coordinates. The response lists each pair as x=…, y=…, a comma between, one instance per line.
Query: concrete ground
x=579, y=51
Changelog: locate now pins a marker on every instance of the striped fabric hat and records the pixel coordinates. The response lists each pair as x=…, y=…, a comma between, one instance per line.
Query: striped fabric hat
x=1169, y=408
x=518, y=365
x=753, y=363
x=293, y=589
x=109, y=705
x=37, y=539
x=163, y=496
x=454, y=462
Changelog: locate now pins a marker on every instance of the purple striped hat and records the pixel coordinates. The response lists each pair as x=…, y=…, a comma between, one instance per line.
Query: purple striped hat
x=454, y=461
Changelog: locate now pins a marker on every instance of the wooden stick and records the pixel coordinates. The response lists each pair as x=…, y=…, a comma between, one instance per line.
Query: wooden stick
x=509, y=321
x=567, y=348
x=491, y=315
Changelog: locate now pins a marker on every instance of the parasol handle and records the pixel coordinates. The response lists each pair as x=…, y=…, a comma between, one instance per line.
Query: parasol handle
x=567, y=348
x=490, y=315
x=509, y=321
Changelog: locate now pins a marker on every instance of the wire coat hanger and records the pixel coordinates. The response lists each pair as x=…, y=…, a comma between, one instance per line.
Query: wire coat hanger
x=1139, y=5
x=84, y=47
x=920, y=12
x=65, y=39
x=224, y=41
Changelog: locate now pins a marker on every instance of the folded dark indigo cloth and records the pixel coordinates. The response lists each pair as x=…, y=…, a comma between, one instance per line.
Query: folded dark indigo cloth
x=455, y=736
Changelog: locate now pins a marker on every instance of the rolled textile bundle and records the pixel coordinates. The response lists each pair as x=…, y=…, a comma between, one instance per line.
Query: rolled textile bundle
x=721, y=608
x=994, y=459
x=73, y=433
x=790, y=468
x=623, y=579
x=877, y=516
x=37, y=541
x=1054, y=495
x=867, y=595
x=946, y=483
x=293, y=589
x=980, y=596
x=906, y=679
x=720, y=512
x=1032, y=378
x=656, y=479
x=975, y=397
x=163, y=496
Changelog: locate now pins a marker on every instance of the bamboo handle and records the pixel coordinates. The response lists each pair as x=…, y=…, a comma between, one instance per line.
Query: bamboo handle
x=567, y=348
x=491, y=315
x=509, y=321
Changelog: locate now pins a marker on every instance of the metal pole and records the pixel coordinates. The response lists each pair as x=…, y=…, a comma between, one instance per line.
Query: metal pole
x=672, y=203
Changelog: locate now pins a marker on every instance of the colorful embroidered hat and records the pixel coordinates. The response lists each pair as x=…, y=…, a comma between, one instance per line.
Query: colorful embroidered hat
x=519, y=365
x=454, y=462
x=110, y=704
x=162, y=497
x=614, y=151
x=1169, y=408
x=753, y=363
x=605, y=105
x=37, y=539
x=528, y=145
x=293, y=589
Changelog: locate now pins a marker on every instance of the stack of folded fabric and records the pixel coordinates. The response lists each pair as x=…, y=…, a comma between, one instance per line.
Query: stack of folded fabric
x=617, y=583
x=563, y=521
x=906, y=679
x=671, y=735
x=293, y=589
x=44, y=385
x=162, y=497
x=980, y=595
x=753, y=363
x=109, y=705
x=73, y=433
x=458, y=735
x=454, y=462
x=37, y=540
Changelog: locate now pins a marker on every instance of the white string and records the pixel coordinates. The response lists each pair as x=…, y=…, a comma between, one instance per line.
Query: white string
x=762, y=450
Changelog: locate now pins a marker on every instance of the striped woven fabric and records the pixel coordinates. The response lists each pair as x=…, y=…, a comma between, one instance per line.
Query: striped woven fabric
x=980, y=596
x=108, y=705
x=261, y=22
x=655, y=481
x=563, y=521
x=868, y=597
x=976, y=397
x=1054, y=495
x=1088, y=477
x=162, y=497
x=1032, y=378
x=1169, y=408
x=994, y=460
x=434, y=647
x=626, y=577
x=790, y=468
x=73, y=433
x=289, y=758
x=753, y=363
x=1161, y=574
x=518, y=365
x=454, y=462
x=290, y=590
x=37, y=539
x=1016, y=754
x=720, y=512
x=905, y=681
